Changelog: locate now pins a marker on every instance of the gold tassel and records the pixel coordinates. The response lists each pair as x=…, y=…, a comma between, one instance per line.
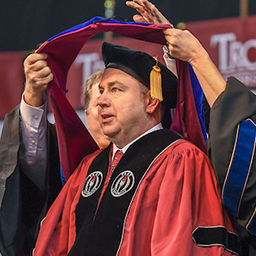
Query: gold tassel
x=156, y=82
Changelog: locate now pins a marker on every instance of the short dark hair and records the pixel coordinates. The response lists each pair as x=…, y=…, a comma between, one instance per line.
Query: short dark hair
x=87, y=93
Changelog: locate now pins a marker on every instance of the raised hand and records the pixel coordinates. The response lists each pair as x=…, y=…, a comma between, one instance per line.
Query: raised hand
x=183, y=45
x=38, y=75
x=148, y=12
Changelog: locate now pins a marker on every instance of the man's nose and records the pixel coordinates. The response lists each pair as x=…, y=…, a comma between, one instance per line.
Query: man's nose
x=103, y=100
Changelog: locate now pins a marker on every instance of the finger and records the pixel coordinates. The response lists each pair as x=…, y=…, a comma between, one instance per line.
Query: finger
x=147, y=18
x=32, y=58
x=167, y=34
x=139, y=6
x=152, y=14
x=44, y=81
x=159, y=16
x=136, y=6
x=37, y=75
x=139, y=2
x=171, y=31
x=143, y=6
x=140, y=9
x=43, y=73
x=40, y=80
x=132, y=4
x=35, y=62
x=146, y=4
x=39, y=65
x=140, y=19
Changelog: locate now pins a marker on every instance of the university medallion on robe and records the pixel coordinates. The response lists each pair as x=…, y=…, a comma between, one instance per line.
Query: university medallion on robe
x=122, y=184
x=92, y=183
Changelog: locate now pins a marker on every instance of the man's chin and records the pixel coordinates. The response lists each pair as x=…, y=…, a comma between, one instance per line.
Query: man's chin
x=109, y=132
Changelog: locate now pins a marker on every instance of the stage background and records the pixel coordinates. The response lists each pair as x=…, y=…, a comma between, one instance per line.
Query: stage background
x=230, y=41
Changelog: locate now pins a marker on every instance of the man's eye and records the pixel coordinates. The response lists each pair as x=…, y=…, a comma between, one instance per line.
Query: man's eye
x=115, y=90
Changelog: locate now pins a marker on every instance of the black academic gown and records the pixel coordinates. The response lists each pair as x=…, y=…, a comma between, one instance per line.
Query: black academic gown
x=23, y=204
x=232, y=132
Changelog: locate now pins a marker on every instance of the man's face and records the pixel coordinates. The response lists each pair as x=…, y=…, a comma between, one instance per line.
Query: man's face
x=92, y=118
x=122, y=107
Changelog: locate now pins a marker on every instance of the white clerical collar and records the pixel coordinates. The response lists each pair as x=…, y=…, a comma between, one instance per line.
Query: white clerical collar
x=124, y=149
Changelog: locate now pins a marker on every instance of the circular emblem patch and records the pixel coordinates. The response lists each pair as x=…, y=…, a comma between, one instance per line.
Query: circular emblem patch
x=92, y=183
x=122, y=184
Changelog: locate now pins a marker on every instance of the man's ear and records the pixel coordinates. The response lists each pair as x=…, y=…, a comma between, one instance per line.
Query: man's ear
x=152, y=104
x=86, y=112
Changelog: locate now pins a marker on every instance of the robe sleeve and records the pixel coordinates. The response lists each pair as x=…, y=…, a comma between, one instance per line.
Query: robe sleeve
x=189, y=202
x=232, y=150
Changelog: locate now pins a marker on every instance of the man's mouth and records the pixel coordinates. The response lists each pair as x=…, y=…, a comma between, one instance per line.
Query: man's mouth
x=106, y=118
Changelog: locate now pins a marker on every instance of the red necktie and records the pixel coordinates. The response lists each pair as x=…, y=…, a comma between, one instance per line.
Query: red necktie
x=116, y=159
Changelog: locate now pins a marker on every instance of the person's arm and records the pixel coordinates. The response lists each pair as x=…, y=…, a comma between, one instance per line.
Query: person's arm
x=232, y=150
x=33, y=142
x=38, y=75
x=184, y=46
x=33, y=127
x=33, y=124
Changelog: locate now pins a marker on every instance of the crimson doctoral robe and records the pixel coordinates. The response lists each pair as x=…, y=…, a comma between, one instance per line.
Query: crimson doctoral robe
x=174, y=209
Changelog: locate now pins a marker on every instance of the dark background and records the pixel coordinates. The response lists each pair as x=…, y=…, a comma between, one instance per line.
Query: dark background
x=27, y=23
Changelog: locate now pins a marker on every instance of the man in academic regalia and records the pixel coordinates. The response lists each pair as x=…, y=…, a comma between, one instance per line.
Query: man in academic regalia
x=161, y=198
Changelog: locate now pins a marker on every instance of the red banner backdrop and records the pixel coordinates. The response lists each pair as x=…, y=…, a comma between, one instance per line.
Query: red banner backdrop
x=231, y=44
x=11, y=81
